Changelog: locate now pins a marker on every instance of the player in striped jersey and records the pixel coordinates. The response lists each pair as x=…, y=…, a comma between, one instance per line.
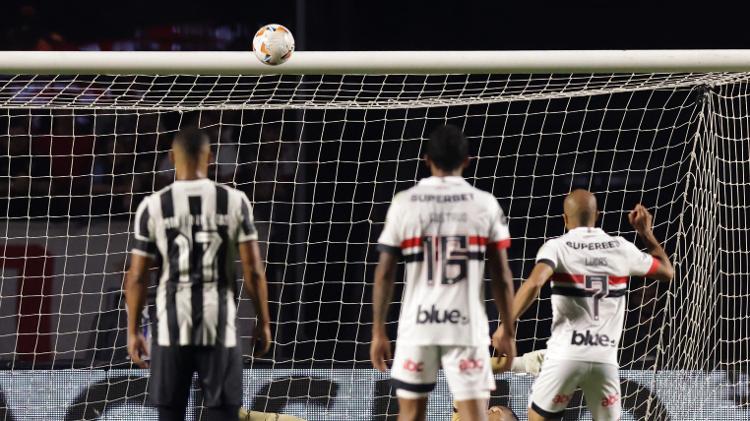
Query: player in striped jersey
x=194, y=229
x=589, y=271
x=443, y=228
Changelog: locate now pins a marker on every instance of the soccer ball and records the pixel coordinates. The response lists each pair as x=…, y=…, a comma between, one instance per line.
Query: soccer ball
x=273, y=44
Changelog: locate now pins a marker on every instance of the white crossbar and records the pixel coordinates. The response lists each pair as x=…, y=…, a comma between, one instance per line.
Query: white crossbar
x=375, y=62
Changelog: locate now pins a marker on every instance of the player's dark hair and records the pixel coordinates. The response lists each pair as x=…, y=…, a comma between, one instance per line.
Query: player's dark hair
x=191, y=141
x=447, y=147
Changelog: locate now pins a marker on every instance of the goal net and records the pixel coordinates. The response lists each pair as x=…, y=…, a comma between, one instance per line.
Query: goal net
x=320, y=157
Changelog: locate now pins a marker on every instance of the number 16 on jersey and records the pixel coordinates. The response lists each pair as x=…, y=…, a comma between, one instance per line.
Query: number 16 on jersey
x=446, y=257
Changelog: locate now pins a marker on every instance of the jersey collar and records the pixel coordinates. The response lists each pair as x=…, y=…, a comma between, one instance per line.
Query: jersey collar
x=442, y=181
x=195, y=180
x=586, y=229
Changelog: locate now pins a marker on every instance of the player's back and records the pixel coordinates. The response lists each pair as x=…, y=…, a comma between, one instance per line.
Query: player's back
x=590, y=280
x=194, y=227
x=442, y=227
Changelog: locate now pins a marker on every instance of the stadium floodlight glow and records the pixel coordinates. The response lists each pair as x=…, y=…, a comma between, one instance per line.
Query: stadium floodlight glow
x=321, y=144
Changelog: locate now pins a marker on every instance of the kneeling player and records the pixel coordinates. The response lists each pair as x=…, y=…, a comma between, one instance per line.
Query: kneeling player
x=443, y=227
x=528, y=363
x=589, y=271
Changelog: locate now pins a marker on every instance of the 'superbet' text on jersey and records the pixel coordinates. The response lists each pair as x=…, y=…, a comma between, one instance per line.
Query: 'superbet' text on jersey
x=442, y=227
x=591, y=272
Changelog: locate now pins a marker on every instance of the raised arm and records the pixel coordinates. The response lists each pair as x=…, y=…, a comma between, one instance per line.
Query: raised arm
x=640, y=218
x=501, y=282
x=385, y=277
x=254, y=278
x=135, y=298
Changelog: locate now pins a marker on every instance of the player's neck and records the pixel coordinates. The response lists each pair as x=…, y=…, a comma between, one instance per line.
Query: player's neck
x=437, y=172
x=572, y=227
x=188, y=172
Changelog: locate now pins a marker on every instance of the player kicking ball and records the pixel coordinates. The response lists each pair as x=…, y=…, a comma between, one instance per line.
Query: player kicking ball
x=589, y=270
x=443, y=228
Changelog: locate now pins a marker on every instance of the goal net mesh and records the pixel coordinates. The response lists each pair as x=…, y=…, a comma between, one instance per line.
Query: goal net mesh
x=320, y=157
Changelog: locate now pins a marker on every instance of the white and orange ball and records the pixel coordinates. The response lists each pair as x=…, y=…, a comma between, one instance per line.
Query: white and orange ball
x=273, y=44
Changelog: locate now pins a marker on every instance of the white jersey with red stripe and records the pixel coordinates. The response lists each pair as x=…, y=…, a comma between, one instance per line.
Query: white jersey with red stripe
x=590, y=280
x=442, y=227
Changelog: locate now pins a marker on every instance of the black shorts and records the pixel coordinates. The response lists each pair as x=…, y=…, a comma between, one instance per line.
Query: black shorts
x=219, y=373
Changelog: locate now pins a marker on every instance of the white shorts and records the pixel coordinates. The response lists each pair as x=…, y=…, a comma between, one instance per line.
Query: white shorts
x=559, y=379
x=467, y=369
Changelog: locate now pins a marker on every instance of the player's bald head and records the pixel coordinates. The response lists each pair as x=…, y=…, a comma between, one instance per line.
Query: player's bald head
x=580, y=209
x=501, y=413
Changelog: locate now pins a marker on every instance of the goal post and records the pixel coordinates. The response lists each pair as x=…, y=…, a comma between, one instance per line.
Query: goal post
x=320, y=145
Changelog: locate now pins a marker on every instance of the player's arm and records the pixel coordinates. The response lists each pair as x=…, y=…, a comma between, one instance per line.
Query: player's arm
x=135, y=298
x=530, y=289
x=528, y=363
x=254, y=275
x=385, y=278
x=136, y=281
x=640, y=218
x=254, y=278
x=389, y=245
x=501, y=283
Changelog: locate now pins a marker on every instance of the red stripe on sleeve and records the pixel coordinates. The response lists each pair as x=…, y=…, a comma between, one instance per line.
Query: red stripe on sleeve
x=654, y=266
x=411, y=242
x=502, y=244
x=618, y=280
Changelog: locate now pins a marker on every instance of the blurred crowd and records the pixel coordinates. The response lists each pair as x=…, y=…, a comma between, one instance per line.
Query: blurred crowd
x=63, y=163
x=27, y=29
x=29, y=26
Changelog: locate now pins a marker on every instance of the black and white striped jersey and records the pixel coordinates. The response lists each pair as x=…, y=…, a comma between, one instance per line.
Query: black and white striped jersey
x=192, y=228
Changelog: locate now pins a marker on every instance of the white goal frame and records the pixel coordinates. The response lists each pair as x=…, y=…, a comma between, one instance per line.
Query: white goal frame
x=375, y=62
x=700, y=98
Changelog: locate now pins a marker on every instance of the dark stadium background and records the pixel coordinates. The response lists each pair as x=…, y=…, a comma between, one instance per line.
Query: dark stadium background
x=393, y=25
x=390, y=25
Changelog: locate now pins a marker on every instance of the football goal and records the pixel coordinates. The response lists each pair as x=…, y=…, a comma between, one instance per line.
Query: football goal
x=320, y=145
